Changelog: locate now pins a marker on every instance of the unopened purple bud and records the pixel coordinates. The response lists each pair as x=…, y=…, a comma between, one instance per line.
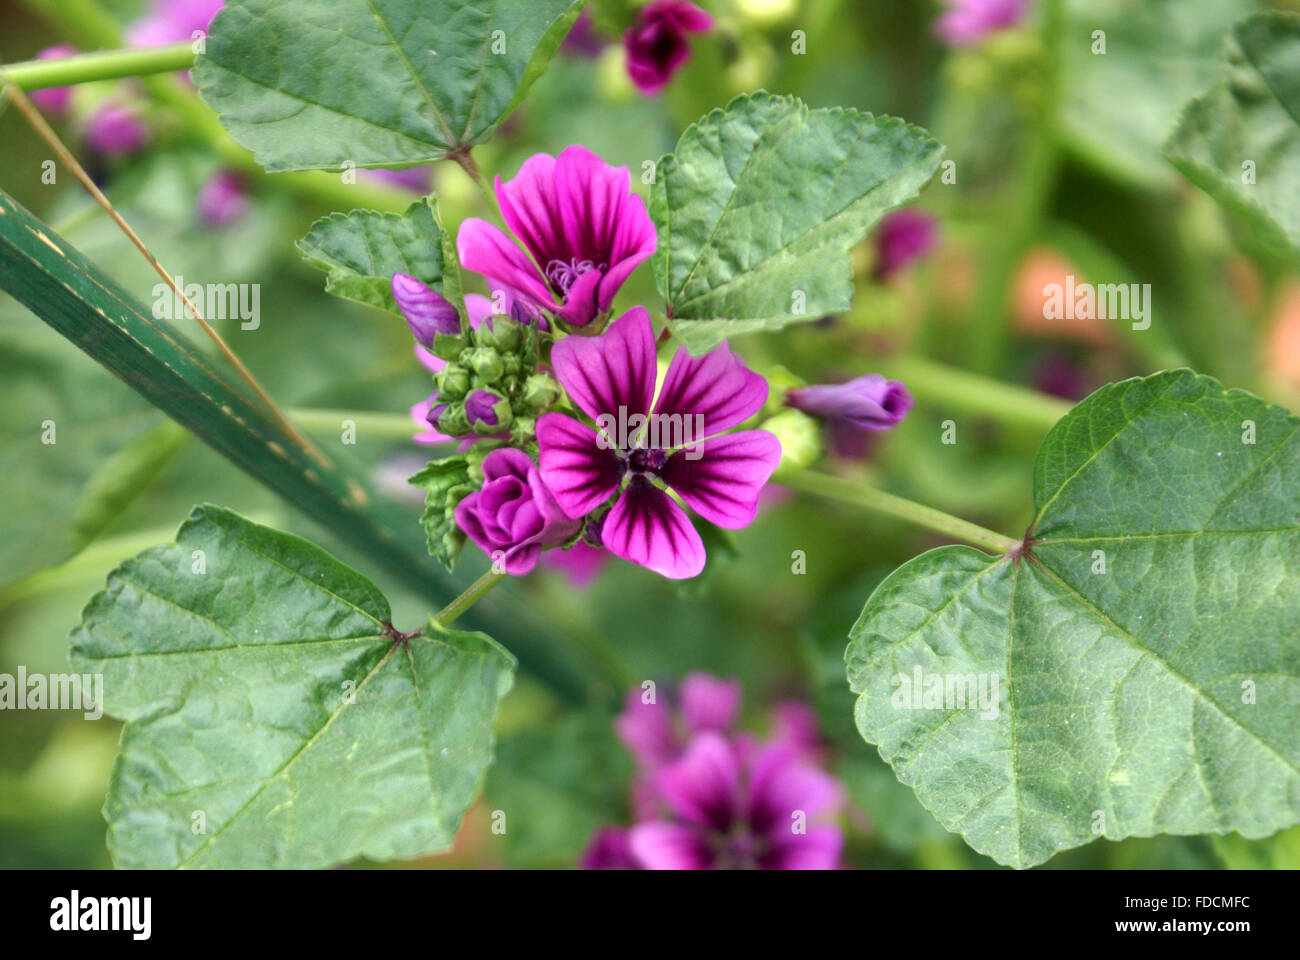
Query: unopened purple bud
x=481, y=407
x=115, y=130
x=54, y=100
x=904, y=236
x=427, y=311
x=222, y=199
x=435, y=410
x=870, y=402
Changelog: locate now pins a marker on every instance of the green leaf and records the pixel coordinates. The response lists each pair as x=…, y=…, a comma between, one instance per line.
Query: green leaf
x=311, y=84
x=1119, y=106
x=1157, y=693
x=1278, y=852
x=447, y=482
x=268, y=701
x=1252, y=117
x=360, y=251
x=760, y=204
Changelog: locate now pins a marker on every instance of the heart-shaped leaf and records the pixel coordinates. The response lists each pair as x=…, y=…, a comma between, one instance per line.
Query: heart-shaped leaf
x=760, y=204
x=360, y=251
x=274, y=717
x=1136, y=669
x=1240, y=142
x=312, y=84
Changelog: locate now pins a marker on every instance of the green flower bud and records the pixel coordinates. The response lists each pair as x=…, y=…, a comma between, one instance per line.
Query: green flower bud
x=539, y=393
x=447, y=346
x=800, y=437
x=452, y=382
x=486, y=362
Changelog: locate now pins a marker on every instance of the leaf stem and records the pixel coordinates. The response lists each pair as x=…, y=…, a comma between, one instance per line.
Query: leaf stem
x=469, y=597
x=848, y=491
x=102, y=65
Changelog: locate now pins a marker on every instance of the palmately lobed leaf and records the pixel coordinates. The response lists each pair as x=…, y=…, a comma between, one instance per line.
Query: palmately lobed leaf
x=318, y=84
x=760, y=204
x=361, y=250
x=1147, y=646
x=272, y=718
x=1240, y=142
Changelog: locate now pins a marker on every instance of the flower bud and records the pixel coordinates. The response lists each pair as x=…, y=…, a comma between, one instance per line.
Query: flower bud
x=539, y=393
x=427, y=312
x=487, y=412
x=453, y=382
x=486, y=362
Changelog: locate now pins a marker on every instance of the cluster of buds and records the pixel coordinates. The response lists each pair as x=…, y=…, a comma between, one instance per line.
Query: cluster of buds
x=489, y=386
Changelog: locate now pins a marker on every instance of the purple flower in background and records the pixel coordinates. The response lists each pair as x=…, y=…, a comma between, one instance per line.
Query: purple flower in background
x=608, y=850
x=115, y=129
x=611, y=378
x=903, y=237
x=427, y=312
x=222, y=199
x=583, y=227
x=408, y=178
x=513, y=516
x=733, y=806
x=868, y=402
x=1056, y=374
x=580, y=563
x=656, y=734
x=657, y=45
x=54, y=100
x=582, y=39
x=171, y=21
x=969, y=21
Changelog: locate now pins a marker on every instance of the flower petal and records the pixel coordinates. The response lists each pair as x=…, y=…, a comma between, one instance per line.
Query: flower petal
x=708, y=703
x=485, y=249
x=648, y=528
x=658, y=845
x=635, y=239
x=703, y=787
x=646, y=729
x=590, y=197
x=531, y=207
x=724, y=482
x=614, y=370
x=578, y=473
x=818, y=849
x=717, y=386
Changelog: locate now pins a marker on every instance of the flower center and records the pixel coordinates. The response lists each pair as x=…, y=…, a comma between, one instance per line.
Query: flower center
x=563, y=275
x=646, y=461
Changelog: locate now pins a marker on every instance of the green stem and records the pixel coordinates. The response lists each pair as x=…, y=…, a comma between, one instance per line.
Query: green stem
x=847, y=491
x=106, y=65
x=470, y=597
x=944, y=386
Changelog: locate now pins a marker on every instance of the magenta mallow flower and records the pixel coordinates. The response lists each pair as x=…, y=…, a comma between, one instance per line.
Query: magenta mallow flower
x=427, y=312
x=54, y=100
x=869, y=402
x=734, y=805
x=657, y=45
x=579, y=563
x=513, y=516
x=415, y=179
x=115, y=129
x=903, y=237
x=969, y=21
x=608, y=850
x=583, y=228
x=172, y=21
x=222, y=199
x=640, y=450
x=656, y=733
x=582, y=39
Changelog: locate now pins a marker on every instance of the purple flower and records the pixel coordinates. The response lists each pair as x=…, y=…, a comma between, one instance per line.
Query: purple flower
x=582, y=39
x=425, y=413
x=408, y=178
x=222, y=199
x=657, y=46
x=583, y=227
x=513, y=516
x=580, y=563
x=608, y=850
x=115, y=130
x=611, y=378
x=903, y=237
x=969, y=21
x=503, y=301
x=734, y=806
x=481, y=407
x=657, y=735
x=171, y=21
x=427, y=312
x=868, y=402
x=54, y=100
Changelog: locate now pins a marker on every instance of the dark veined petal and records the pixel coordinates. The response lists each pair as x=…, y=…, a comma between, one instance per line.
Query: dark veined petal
x=717, y=386
x=723, y=485
x=613, y=370
x=648, y=528
x=485, y=249
x=578, y=473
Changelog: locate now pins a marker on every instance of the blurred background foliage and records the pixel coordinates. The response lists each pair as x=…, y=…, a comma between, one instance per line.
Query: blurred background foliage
x=1059, y=170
